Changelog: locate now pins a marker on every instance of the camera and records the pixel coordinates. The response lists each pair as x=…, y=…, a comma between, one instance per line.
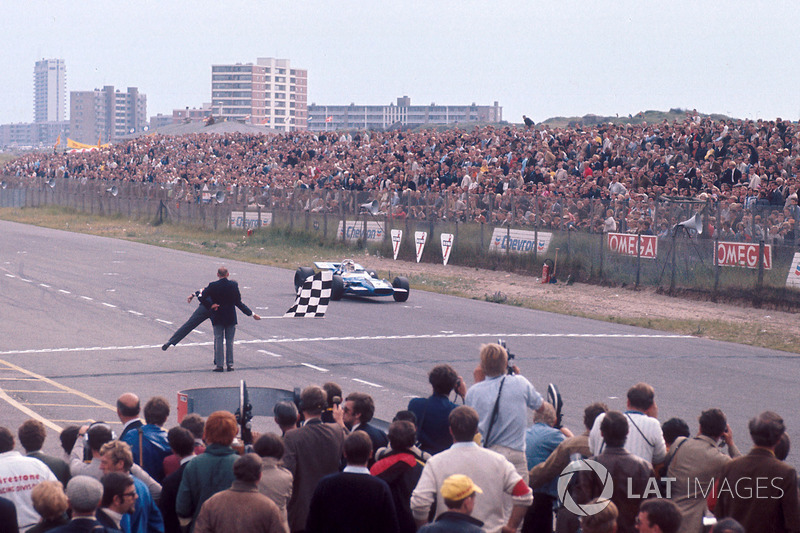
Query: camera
x=510, y=368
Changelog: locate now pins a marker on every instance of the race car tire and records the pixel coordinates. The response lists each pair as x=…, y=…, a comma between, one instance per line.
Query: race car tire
x=337, y=287
x=372, y=273
x=300, y=275
x=401, y=282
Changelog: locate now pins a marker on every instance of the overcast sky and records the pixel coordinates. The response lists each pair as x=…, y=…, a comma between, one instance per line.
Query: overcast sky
x=541, y=59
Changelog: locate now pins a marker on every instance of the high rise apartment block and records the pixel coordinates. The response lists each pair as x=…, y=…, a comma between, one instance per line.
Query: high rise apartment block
x=49, y=90
x=269, y=92
x=106, y=114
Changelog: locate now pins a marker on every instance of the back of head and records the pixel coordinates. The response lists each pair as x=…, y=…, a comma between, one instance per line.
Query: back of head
x=713, y=423
x=357, y=448
x=269, y=445
x=545, y=415
x=463, y=422
x=406, y=415
x=222, y=272
x=783, y=447
x=728, y=525
x=591, y=413
x=313, y=400
x=362, y=404
x=194, y=423
x=662, y=513
x=99, y=434
x=402, y=435
x=156, y=411
x=766, y=429
x=603, y=522
x=674, y=428
x=49, y=499
x=114, y=484
x=128, y=405
x=443, y=379
x=494, y=360
x=247, y=468
x=6, y=440
x=332, y=390
x=614, y=429
x=84, y=494
x=181, y=441
x=68, y=437
x=285, y=413
x=31, y=435
x=221, y=428
x=117, y=451
x=641, y=396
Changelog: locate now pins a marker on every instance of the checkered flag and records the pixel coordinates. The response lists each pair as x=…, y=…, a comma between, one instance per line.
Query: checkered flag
x=312, y=301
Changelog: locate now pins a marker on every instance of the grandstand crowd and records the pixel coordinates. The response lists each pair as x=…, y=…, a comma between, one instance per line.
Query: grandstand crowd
x=532, y=175
x=501, y=461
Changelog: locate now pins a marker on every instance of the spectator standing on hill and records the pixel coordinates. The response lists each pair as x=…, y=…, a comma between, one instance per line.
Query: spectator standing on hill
x=358, y=410
x=31, y=436
x=432, y=426
x=241, y=508
x=492, y=472
x=211, y=471
x=128, y=409
x=502, y=400
x=313, y=451
x=149, y=443
x=694, y=463
x=18, y=477
x=645, y=438
x=459, y=493
x=741, y=491
x=353, y=501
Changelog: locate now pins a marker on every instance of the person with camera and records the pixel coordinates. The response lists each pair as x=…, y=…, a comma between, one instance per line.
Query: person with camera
x=432, y=412
x=502, y=397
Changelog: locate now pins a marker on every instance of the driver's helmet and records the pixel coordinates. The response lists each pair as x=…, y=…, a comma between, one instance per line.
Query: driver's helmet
x=348, y=265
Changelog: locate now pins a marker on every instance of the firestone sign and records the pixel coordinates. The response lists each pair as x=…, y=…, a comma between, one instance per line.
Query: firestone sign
x=742, y=254
x=631, y=243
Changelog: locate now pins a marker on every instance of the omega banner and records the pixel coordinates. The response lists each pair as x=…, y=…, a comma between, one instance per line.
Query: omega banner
x=742, y=254
x=631, y=243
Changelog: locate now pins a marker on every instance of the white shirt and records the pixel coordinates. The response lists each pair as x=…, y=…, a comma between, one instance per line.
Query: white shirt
x=646, y=442
x=18, y=476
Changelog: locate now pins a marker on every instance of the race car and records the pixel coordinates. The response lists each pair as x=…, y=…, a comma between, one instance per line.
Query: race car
x=352, y=279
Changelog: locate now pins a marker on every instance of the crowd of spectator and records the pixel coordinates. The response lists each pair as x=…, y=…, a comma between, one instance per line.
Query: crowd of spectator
x=443, y=467
x=603, y=177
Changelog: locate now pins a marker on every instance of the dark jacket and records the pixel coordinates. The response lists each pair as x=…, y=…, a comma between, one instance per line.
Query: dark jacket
x=433, y=426
x=226, y=293
x=452, y=522
x=352, y=503
x=401, y=471
x=204, y=476
x=59, y=467
x=378, y=438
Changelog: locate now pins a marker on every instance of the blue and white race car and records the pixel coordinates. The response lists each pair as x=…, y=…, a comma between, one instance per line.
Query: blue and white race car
x=352, y=279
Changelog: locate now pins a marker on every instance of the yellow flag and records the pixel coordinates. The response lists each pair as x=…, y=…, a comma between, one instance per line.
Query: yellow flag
x=58, y=141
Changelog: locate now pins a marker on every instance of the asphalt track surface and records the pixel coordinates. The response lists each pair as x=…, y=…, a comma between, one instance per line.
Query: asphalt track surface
x=82, y=319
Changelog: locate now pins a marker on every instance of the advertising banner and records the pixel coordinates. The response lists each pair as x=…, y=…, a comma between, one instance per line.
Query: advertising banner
x=356, y=227
x=397, y=237
x=238, y=219
x=629, y=244
x=742, y=254
x=519, y=241
x=419, y=238
x=793, y=279
x=447, y=245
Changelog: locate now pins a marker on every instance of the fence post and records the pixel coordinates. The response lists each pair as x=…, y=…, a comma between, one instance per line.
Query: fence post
x=638, y=257
x=760, y=282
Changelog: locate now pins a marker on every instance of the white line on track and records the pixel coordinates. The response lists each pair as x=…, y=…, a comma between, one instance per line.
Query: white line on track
x=10, y=276
x=62, y=291
x=368, y=383
x=163, y=321
x=137, y=313
x=270, y=353
x=87, y=298
x=26, y=280
x=367, y=338
x=108, y=304
x=309, y=365
x=45, y=285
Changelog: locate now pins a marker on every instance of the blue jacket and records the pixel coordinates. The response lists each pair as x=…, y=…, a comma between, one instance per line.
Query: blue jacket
x=154, y=449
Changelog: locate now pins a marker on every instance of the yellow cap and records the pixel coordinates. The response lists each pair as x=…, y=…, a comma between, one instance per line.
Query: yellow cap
x=458, y=486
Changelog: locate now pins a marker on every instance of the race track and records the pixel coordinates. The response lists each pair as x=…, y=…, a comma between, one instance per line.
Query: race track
x=82, y=319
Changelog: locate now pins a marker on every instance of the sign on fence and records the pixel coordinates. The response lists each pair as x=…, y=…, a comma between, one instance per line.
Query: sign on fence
x=447, y=245
x=630, y=243
x=238, y=219
x=793, y=279
x=519, y=241
x=742, y=254
x=419, y=238
x=355, y=228
x=397, y=237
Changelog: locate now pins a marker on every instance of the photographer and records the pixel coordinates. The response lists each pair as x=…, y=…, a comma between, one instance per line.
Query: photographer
x=502, y=398
x=432, y=413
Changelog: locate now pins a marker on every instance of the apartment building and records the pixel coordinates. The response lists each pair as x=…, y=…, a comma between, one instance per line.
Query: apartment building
x=106, y=114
